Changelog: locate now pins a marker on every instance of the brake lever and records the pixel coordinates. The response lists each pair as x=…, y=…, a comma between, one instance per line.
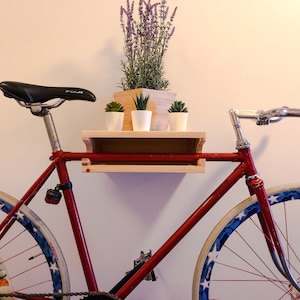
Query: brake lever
x=273, y=116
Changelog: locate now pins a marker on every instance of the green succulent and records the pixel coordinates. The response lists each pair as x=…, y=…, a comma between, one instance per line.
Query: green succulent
x=178, y=106
x=114, y=106
x=141, y=102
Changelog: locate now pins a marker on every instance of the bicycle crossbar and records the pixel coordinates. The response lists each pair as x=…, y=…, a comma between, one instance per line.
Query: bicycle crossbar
x=149, y=157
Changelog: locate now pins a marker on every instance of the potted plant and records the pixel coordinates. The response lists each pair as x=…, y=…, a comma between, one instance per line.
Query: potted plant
x=141, y=117
x=146, y=43
x=114, y=116
x=178, y=116
x=146, y=40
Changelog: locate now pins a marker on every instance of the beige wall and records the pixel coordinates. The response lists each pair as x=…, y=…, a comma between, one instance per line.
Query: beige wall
x=224, y=54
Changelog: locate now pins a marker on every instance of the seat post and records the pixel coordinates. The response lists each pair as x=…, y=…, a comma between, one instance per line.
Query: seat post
x=50, y=127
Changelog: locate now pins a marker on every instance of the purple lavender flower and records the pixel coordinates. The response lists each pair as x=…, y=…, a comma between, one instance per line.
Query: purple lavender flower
x=146, y=42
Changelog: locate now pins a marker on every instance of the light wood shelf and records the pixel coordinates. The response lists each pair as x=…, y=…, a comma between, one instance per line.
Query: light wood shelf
x=166, y=142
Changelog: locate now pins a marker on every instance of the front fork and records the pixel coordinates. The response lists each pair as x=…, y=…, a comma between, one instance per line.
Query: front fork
x=256, y=186
x=266, y=219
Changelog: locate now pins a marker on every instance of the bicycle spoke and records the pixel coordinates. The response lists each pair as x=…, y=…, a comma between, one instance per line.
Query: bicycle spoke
x=235, y=261
x=27, y=261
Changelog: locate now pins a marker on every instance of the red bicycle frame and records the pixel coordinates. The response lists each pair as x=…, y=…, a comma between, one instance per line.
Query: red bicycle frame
x=59, y=159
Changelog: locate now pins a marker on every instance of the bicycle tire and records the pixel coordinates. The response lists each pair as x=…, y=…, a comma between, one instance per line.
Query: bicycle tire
x=31, y=260
x=248, y=271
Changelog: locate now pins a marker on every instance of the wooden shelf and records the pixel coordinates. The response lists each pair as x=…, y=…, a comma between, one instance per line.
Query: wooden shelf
x=122, y=142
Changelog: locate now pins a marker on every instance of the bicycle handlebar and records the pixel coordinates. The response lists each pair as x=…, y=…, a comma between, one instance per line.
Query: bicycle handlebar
x=265, y=117
x=262, y=117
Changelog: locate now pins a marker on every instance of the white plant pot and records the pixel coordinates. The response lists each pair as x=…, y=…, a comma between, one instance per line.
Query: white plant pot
x=114, y=120
x=178, y=121
x=141, y=120
x=159, y=102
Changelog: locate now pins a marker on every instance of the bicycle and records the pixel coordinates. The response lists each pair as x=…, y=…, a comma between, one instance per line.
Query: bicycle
x=32, y=264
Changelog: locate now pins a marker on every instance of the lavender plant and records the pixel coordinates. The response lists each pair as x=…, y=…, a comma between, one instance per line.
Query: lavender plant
x=145, y=44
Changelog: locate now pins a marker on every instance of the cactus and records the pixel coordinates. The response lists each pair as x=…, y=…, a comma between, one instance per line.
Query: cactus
x=114, y=106
x=141, y=102
x=178, y=106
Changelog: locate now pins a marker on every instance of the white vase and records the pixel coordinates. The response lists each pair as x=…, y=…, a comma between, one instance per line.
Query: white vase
x=178, y=121
x=159, y=102
x=141, y=120
x=114, y=120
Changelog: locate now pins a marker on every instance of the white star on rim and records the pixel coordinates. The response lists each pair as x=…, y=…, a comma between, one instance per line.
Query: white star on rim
x=53, y=267
x=205, y=284
x=240, y=215
x=273, y=199
x=19, y=215
x=212, y=256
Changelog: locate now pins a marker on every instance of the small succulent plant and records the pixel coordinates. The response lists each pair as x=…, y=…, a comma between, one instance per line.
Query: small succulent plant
x=141, y=102
x=178, y=106
x=114, y=106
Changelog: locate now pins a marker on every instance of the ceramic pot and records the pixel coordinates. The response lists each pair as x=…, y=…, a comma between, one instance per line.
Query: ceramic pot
x=159, y=102
x=141, y=120
x=114, y=120
x=178, y=121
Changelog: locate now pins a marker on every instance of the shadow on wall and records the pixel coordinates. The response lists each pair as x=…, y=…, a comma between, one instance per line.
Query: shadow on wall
x=260, y=150
x=157, y=188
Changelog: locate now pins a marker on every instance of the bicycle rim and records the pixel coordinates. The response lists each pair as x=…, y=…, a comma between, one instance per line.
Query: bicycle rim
x=235, y=262
x=30, y=258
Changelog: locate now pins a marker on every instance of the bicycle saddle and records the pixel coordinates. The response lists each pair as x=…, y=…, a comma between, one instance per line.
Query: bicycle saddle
x=30, y=93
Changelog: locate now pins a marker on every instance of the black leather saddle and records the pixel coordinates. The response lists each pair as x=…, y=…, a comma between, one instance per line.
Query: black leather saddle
x=30, y=93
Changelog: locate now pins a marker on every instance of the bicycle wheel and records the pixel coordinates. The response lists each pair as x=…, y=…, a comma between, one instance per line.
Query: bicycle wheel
x=30, y=258
x=235, y=263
